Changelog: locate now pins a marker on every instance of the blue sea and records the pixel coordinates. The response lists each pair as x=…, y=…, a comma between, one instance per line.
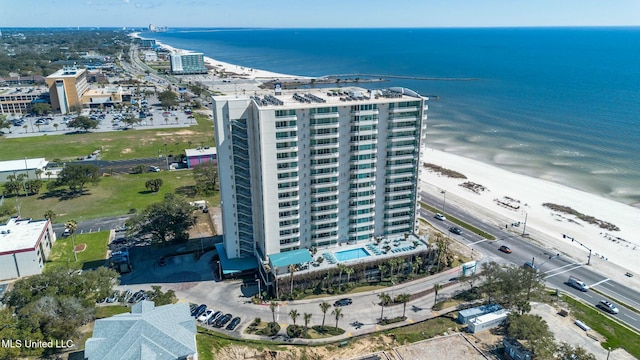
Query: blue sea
x=561, y=104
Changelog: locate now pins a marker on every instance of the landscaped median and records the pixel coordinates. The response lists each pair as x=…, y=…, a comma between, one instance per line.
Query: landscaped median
x=459, y=222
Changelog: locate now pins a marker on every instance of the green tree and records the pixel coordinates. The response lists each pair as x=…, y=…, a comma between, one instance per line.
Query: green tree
x=4, y=123
x=307, y=319
x=324, y=307
x=72, y=225
x=206, y=177
x=12, y=186
x=436, y=288
x=162, y=298
x=273, y=306
x=294, y=315
x=83, y=123
x=404, y=299
x=165, y=221
x=138, y=169
x=130, y=120
x=566, y=351
x=76, y=176
x=337, y=312
x=50, y=215
x=56, y=125
x=168, y=98
x=41, y=108
x=384, y=300
x=153, y=184
x=534, y=331
x=33, y=186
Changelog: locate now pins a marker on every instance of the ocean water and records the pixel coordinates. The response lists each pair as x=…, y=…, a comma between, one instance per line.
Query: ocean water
x=561, y=104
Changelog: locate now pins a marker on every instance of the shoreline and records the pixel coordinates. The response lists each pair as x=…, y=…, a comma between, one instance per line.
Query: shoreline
x=510, y=197
x=612, y=251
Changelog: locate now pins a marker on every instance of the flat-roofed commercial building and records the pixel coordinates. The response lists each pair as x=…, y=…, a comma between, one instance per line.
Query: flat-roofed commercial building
x=66, y=87
x=24, y=247
x=20, y=100
x=107, y=96
x=33, y=168
x=317, y=168
x=187, y=63
x=147, y=43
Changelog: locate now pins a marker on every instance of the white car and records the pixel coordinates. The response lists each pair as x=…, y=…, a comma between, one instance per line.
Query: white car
x=440, y=217
x=205, y=316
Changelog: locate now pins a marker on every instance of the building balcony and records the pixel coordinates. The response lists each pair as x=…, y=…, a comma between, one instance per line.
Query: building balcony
x=333, y=115
x=365, y=112
x=403, y=109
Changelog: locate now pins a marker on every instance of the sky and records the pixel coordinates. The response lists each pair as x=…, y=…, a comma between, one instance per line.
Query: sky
x=318, y=13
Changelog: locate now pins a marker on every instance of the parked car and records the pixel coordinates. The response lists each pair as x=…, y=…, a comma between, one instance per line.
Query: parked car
x=343, y=302
x=127, y=295
x=234, y=323
x=199, y=310
x=215, y=317
x=137, y=296
x=456, y=230
x=223, y=320
x=192, y=308
x=440, y=217
x=608, y=307
x=505, y=249
x=205, y=316
x=114, y=297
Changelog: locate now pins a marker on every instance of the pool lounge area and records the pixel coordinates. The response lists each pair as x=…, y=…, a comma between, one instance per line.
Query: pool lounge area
x=366, y=251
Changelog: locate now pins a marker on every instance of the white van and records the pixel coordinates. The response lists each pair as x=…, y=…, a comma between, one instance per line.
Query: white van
x=577, y=283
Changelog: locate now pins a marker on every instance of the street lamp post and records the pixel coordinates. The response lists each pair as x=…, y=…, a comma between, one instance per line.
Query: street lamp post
x=259, y=290
x=524, y=228
x=565, y=236
x=608, y=353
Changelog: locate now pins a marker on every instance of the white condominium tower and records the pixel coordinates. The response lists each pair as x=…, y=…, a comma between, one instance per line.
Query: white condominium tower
x=317, y=167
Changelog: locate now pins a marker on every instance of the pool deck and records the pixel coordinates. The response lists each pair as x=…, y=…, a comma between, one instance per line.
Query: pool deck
x=398, y=246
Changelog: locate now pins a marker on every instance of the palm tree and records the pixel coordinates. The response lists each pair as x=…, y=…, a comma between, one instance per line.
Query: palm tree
x=418, y=263
x=404, y=299
x=25, y=127
x=273, y=306
x=384, y=300
x=324, y=306
x=49, y=215
x=48, y=173
x=348, y=271
x=392, y=263
x=382, y=268
x=38, y=172
x=307, y=319
x=341, y=268
x=294, y=315
x=292, y=270
x=72, y=225
x=337, y=312
x=436, y=287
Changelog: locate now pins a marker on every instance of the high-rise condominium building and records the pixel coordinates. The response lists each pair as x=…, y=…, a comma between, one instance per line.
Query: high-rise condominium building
x=187, y=63
x=317, y=168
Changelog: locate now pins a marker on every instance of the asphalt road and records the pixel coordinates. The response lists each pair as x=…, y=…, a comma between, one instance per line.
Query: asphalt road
x=556, y=268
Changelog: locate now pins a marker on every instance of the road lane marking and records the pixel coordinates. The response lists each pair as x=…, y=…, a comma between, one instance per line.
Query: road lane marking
x=562, y=272
x=599, y=282
x=630, y=317
x=479, y=241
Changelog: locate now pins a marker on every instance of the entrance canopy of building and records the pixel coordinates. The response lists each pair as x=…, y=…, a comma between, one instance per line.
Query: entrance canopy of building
x=234, y=266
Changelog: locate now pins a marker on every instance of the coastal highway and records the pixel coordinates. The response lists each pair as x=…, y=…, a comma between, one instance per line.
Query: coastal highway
x=557, y=267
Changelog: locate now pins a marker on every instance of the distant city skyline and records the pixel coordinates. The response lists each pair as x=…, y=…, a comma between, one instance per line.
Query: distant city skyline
x=318, y=14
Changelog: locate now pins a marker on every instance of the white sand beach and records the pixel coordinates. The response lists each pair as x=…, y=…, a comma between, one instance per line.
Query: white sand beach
x=508, y=196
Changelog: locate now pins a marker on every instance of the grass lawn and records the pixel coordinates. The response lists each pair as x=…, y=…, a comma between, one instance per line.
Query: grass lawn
x=617, y=336
x=423, y=330
x=460, y=223
x=110, y=310
x=113, y=196
x=115, y=145
x=93, y=256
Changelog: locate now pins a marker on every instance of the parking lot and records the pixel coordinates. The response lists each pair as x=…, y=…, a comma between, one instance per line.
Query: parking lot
x=151, y=117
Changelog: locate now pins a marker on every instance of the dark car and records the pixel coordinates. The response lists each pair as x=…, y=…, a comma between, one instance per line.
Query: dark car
x=223, y=320
x=343, y=302
x=232, y=325
x=456, y=230
x=505, y=249
x=192, y=308
x=202, y=308
x=214, y=317
x=136, y=297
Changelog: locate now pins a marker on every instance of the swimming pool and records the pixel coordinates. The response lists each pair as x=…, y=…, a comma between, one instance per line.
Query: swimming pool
x=352, y=254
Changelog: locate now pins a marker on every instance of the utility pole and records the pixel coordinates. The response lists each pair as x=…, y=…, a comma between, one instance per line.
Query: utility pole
x=525, y=223
x=444, y=198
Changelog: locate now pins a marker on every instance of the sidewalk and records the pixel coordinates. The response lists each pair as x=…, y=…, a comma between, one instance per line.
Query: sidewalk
x=417, y=310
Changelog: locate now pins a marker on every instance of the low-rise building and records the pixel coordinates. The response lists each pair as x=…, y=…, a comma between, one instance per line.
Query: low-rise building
x=25, y=245
x=515, y=350
x=148, y=332
x=488, y=321
x=31, y=167
x=201, y=155
x=21, y=100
